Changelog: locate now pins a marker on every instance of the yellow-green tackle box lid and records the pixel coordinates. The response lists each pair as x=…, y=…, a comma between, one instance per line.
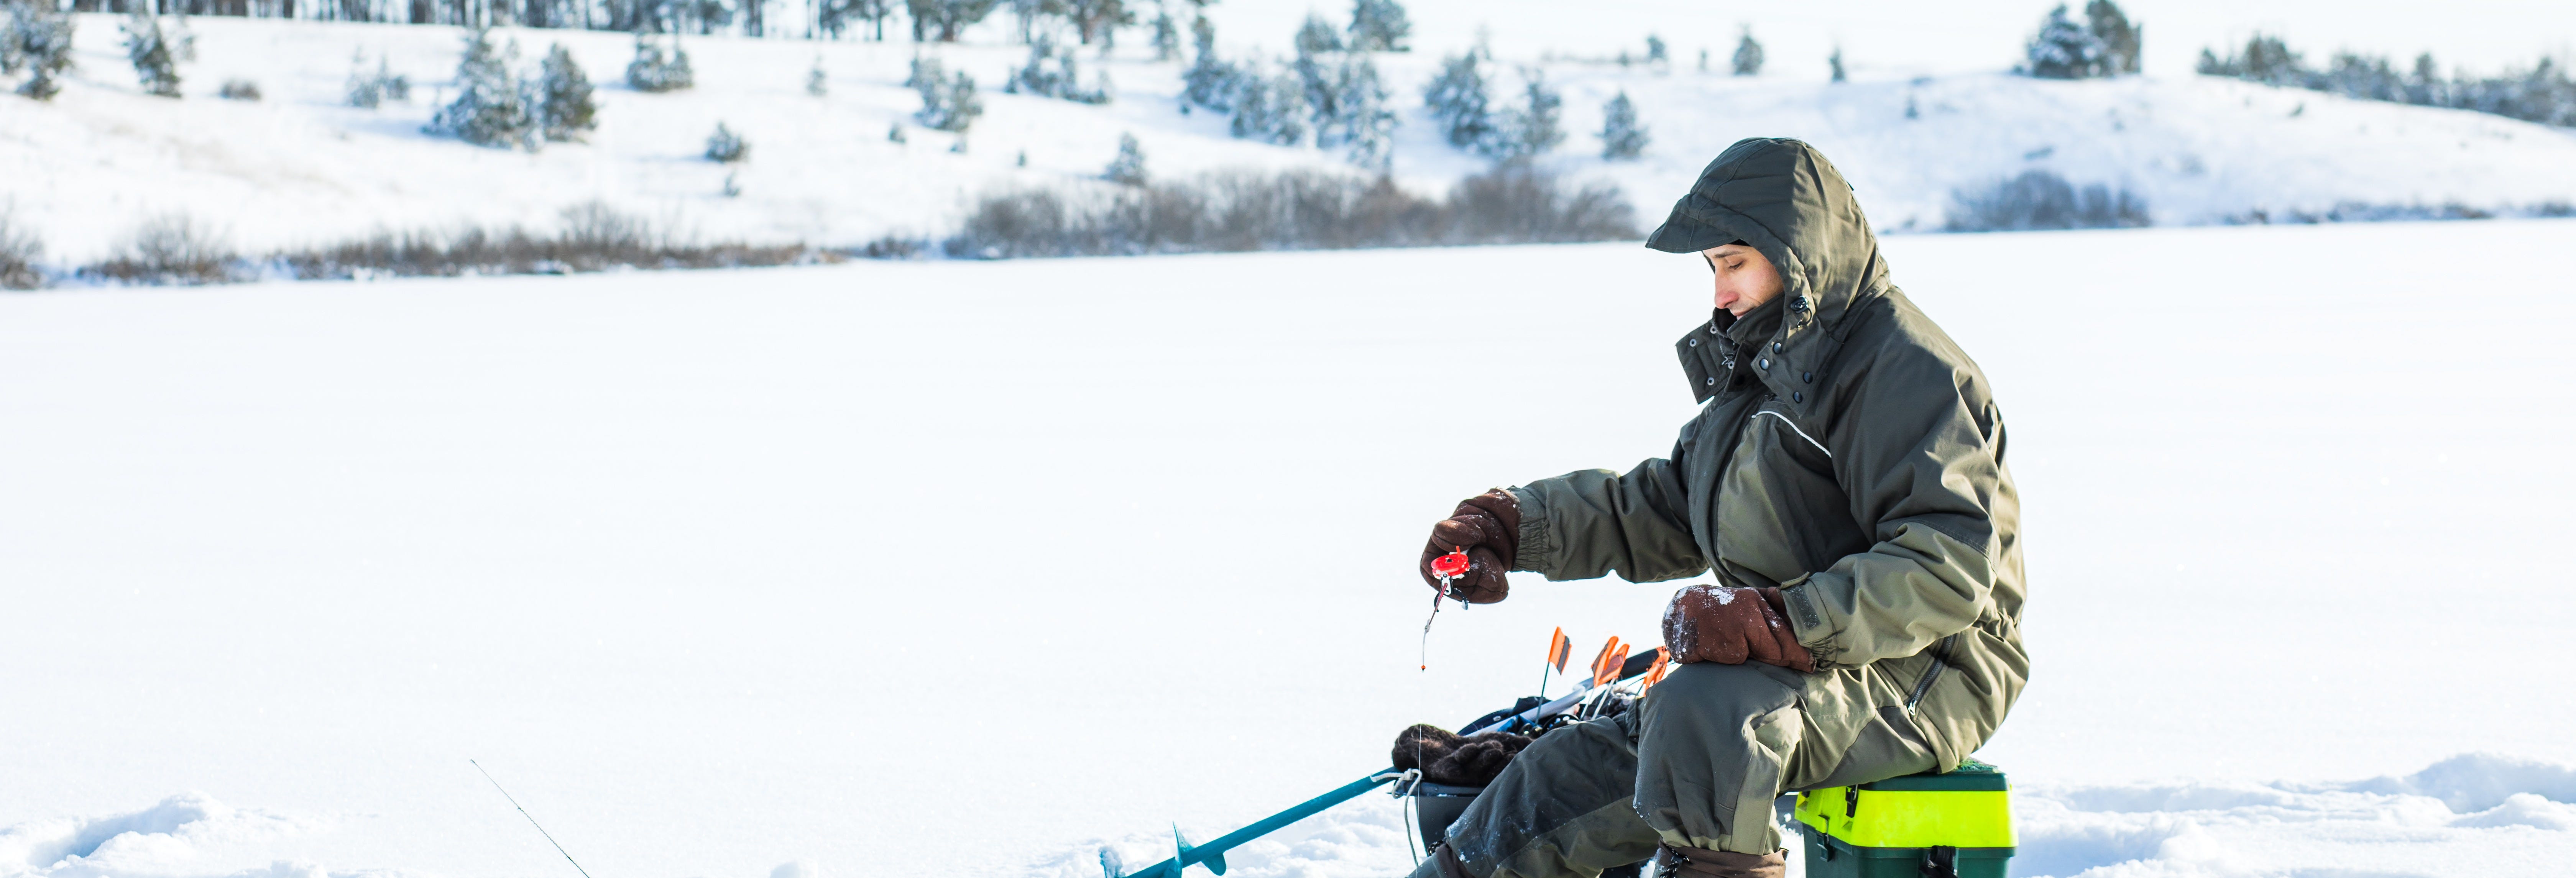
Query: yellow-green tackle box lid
x=1972, y=776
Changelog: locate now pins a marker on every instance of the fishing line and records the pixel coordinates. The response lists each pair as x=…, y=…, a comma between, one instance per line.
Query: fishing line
x=532, y=820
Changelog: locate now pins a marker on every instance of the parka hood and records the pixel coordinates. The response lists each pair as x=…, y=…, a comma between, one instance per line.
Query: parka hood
x=1783, y=198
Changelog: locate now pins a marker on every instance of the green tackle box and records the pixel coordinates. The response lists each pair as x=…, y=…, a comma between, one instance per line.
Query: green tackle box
x=1932, y=824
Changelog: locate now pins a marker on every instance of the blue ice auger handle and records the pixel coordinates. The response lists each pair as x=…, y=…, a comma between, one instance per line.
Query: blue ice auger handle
x=1212, y=854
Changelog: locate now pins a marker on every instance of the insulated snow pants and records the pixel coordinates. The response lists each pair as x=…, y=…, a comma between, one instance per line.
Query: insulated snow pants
x=1696, y=764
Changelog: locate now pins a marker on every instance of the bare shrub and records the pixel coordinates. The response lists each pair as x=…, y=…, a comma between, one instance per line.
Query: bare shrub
x=1300, y=209
x=239, y=90
x=171, y=250
x=2044, y=200
x=591, y=237
x=2366, y=212
x=19, y=251
x=891, y=246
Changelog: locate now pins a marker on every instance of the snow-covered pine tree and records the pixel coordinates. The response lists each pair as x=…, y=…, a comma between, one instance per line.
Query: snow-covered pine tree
x=2063, y=49
x=1379, y=26
x=1622, y=138
x=1064, y=81
x=365, y=91
x=834, y=16
x=2121, y=39
x=9, y=18
x=1533, y=127
x=1167, y=35
x=1269, y=109
x=396, y=86
x=369, y=90
x=38, y=40
x=943, y=19
x=817, y=83
x=1748, y=54
x=1098, y=19
x=1459, y=99
x=948, y=102
x=1366, y=125
x=565, y=107
x=726, y=146
x=1347, y=102
x=152, y=51
x=1128, y=169
x=1656, y=53
x=875, y=11
x=1836, y=61
x=1317, y=37
x=492, y=108
x=1210, y=82
x=1026, y=13
x=1317, y=73
x=2424, y=86
x=654, y=70
x=238, y=89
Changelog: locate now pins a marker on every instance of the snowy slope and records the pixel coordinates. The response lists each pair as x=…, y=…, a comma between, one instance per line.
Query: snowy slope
x=301, y=169
x=967, y=568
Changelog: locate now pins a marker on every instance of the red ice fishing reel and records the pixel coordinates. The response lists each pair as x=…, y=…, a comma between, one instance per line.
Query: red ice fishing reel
x=1450, y=567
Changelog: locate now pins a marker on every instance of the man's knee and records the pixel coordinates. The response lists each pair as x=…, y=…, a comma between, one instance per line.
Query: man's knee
x=1713, y=744
x=1706, y=697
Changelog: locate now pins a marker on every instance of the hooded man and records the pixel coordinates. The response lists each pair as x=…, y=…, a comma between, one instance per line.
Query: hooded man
x=1844, y=481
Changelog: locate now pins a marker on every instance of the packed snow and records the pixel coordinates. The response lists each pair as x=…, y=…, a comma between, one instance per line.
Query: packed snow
x=301, y=168
x=974, y=568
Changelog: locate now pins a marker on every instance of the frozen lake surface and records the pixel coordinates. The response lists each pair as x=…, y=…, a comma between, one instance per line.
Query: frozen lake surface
x=970, y=568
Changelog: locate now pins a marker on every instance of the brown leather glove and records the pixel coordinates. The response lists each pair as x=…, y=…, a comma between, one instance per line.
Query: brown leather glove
x=1716, y=623
x=1488, y=526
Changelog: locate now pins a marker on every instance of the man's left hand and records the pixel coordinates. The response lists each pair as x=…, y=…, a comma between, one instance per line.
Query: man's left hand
x=1726, y=625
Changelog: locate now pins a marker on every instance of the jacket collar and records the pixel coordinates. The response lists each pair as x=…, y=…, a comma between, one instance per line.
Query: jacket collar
x=1783, y=346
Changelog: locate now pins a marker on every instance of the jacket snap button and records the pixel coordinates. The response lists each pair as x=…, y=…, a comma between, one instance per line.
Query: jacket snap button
x=1797, y=397
x=1775, y=347
x=1809, y=377
x=1694, y=342
x=1712, y=381
x=1766, y=363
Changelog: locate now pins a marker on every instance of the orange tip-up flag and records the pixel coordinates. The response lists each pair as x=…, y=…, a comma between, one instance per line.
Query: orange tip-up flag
x=1605, y=667
x=1663, y=664
x=1560, y=649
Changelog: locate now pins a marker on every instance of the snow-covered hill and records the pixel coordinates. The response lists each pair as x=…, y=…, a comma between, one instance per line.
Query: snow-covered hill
x=301, y=168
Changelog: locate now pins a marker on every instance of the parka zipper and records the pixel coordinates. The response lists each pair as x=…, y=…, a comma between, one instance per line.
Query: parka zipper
x=1940, y=662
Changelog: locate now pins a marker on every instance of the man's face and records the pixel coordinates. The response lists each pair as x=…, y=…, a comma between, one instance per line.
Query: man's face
x=1745, y=279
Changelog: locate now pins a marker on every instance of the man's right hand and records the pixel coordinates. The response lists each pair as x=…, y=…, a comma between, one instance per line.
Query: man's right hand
x=1488, y=526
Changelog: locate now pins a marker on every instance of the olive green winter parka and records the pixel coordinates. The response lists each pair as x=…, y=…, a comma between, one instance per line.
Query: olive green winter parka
x=1846, y=451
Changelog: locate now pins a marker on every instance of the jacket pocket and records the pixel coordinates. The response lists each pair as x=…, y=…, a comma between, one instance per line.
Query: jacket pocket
x=1923, y=686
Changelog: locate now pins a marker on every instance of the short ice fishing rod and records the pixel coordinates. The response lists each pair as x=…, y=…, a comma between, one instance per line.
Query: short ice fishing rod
x=532, y=820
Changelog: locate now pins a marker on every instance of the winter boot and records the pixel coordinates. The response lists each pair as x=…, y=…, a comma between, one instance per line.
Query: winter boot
x=1682, y=862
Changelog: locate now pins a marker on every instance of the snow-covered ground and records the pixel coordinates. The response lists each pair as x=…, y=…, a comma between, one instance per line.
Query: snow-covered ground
x=970, y=568
x=301, y=169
